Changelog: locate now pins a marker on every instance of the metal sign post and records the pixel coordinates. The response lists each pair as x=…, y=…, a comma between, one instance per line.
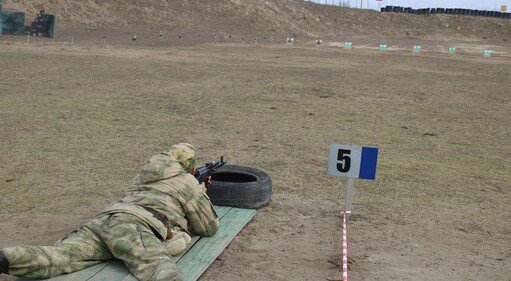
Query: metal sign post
x=348, y=198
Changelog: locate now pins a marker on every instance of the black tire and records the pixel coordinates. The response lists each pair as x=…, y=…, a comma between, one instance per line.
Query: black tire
x=241, y=187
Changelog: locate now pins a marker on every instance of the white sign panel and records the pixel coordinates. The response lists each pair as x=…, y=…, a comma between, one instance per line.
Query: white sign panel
x=344, y=160
x=352, y=161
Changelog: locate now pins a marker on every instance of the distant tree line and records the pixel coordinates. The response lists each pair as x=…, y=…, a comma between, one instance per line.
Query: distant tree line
x=448, y=11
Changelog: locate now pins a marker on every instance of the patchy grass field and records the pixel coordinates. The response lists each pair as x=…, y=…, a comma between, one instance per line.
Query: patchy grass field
x=77, y=122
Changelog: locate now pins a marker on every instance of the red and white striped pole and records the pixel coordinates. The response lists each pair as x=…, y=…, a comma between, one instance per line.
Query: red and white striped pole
x=345, y=214
x=345, y=245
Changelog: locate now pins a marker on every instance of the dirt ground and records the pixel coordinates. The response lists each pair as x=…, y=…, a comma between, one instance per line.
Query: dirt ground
x=78, y=121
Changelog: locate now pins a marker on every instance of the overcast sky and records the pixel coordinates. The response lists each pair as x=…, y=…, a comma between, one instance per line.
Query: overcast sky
x=467, y=4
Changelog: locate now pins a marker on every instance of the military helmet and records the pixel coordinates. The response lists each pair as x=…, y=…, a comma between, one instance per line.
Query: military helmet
x=184, y=153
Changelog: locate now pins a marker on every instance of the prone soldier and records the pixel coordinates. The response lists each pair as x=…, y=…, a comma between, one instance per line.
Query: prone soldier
x=153, y=221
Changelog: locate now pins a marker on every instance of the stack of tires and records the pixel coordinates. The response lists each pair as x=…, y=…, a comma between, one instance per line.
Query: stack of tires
x=448, y=11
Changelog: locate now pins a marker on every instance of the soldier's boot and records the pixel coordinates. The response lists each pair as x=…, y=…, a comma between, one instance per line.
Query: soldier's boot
x=4, y=264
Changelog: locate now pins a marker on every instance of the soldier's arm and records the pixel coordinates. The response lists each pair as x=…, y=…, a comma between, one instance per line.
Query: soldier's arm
x=199, y=212
x=201, y=217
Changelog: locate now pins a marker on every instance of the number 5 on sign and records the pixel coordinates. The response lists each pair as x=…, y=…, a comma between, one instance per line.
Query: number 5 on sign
x=357, y=162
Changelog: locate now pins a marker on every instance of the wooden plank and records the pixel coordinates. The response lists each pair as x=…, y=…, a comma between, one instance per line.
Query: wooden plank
x=114, y=271
x=129, y=277
x=207, y=249
x=221, y=210
x=78, y=275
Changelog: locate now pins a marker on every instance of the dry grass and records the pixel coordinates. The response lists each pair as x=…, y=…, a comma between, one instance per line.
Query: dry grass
x=77, y=122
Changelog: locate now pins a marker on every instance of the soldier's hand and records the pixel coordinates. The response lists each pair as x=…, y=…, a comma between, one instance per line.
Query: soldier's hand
x=207, y=182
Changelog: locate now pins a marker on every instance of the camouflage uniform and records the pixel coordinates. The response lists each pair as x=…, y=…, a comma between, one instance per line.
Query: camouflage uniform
x=153, y=220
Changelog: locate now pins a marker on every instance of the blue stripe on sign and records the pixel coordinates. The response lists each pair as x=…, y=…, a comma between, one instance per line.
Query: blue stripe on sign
x=368, y=163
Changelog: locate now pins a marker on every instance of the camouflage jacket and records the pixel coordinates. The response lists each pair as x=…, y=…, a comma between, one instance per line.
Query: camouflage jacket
x=165, y=188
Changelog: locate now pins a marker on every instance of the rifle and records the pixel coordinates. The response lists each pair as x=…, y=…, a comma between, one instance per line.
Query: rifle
x=204, y=172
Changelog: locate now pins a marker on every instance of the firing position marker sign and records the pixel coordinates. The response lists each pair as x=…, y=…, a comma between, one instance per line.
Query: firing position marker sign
x=352, y=161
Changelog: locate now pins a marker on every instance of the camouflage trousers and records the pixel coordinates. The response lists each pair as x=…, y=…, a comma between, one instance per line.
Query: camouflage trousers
x=119, y=235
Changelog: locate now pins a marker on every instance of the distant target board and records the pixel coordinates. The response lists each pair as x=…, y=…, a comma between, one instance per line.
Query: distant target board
x=50, y=23
x=12, y=23
x=1, y=8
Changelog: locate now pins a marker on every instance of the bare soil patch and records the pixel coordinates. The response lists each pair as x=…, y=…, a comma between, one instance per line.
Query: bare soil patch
x=78, y=121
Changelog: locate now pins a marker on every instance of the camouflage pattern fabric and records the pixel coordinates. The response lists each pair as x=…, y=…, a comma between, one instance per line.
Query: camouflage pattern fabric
x=178, y=241
x=76, y=251
x=123, y=236
x=157, y=226
x=128, y=230
x=163, y=185
x=184, y=153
